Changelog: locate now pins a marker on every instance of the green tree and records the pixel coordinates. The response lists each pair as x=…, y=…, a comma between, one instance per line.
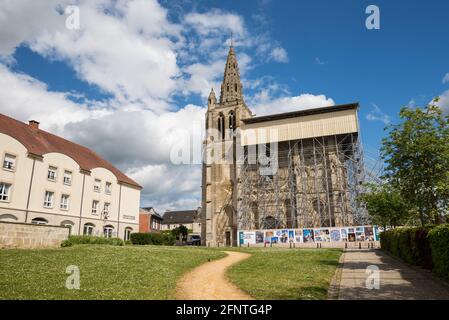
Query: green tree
x=180, y=232
x=386, y=206
x=416, y=153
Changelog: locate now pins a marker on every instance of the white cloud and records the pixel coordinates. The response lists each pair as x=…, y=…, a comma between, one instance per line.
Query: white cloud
x=22, y=21
x=446, y=78
x=444, y=101
x=26, y=98
x=318, y=61
x=286, y=104
x=279, y=54
x=376, y=114
x=130, y=48
x=216, y=21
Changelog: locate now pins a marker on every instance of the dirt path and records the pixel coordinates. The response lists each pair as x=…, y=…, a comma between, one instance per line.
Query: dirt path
x=209, y=282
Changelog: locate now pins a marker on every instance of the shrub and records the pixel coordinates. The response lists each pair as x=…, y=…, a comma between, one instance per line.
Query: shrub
x=66, y=243
x=421, y=247
x=152, y=238
x=95, y=240
x=439, y=243
x=410, y=244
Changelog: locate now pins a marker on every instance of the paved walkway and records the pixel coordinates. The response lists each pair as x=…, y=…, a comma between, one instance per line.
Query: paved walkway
x=397, y=279
x=209, y=282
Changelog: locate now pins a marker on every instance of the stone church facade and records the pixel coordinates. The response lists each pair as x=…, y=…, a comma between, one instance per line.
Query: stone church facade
x=317, y=155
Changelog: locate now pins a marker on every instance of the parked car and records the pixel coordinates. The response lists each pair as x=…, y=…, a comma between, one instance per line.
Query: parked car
x=193, y=240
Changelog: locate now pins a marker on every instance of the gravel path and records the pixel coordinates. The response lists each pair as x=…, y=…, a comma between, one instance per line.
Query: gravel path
x=209, y=281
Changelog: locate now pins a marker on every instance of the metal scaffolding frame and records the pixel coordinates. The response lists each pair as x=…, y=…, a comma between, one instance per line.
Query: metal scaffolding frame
x=316, y=184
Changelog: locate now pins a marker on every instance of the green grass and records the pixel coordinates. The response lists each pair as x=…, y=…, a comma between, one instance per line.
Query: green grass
x=279, y=273
x=106, y=272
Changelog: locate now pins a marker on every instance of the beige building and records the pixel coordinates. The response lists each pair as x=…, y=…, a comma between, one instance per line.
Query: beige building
x=188, y=218
x=45, y=179
x=299, y=169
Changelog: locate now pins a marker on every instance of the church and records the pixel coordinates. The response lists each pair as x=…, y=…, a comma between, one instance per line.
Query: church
x=300, y=169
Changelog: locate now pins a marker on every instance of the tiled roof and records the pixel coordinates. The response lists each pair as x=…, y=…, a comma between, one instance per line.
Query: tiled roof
x=150, y=210
x=184, y=216
x=39, y=142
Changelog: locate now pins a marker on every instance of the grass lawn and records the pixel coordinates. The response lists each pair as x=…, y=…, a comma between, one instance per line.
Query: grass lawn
x=278, y=273
x=106, y=272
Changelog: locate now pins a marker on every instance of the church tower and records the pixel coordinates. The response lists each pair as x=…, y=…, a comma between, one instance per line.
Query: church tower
x=219, y=187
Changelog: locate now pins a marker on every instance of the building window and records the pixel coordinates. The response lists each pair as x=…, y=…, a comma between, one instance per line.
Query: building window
x=108, y=188
x=39, y=221
x=9, y=162
x=67, y=177
x=4, y=191
x=232, y=122
x=221, y=126
x=95, y=207
x=52, y=173
x=107, y=231
x=97, y=185
x=88, y=229
x=106, y=209
x=48, y=200
x=128, y=233
x=65, y=198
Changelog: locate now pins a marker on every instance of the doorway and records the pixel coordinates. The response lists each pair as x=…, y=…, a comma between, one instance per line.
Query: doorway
x=228, y=238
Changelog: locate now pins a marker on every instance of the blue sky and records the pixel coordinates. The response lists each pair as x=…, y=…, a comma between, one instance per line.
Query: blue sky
x=160, y=59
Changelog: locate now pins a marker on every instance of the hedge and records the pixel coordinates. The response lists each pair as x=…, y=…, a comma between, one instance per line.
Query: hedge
x=91, y=240
x=439, y=242
x=152, y=238
x=427, y=247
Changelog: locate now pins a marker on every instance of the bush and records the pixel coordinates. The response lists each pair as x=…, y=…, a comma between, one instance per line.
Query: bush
x=439, y=243
x=410, y=244
x=152, y=238
x=66, y=243
x=94, y=240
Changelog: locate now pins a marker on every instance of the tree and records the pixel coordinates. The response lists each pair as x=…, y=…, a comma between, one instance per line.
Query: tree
x=386, y=206
x=180, y=231
x=416, y=153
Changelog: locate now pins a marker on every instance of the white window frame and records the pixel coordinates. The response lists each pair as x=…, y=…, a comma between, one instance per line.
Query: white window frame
x=5, y=191
x=14, y=161
x=41, y=222
x=95, y=208
x=108, y=206
x=67, y=174
x=107, y=231
x=108, y=187
x=89, y=228
x=128, y=231
x=64, y=205
x=49, y=202
x=55, y=176
x=97, y=185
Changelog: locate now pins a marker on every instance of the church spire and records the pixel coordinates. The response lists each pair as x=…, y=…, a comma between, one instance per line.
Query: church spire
x=231, y=88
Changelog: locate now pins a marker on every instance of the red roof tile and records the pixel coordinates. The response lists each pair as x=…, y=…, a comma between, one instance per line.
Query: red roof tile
x=40, y=142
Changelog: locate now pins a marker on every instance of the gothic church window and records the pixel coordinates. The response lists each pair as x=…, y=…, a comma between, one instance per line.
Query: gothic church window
x=221, y=127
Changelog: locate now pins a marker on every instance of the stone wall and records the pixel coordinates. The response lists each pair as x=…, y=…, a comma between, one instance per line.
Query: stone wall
x=30, y=236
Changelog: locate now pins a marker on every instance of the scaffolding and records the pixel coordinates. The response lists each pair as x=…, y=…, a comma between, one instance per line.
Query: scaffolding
x=315, y=183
